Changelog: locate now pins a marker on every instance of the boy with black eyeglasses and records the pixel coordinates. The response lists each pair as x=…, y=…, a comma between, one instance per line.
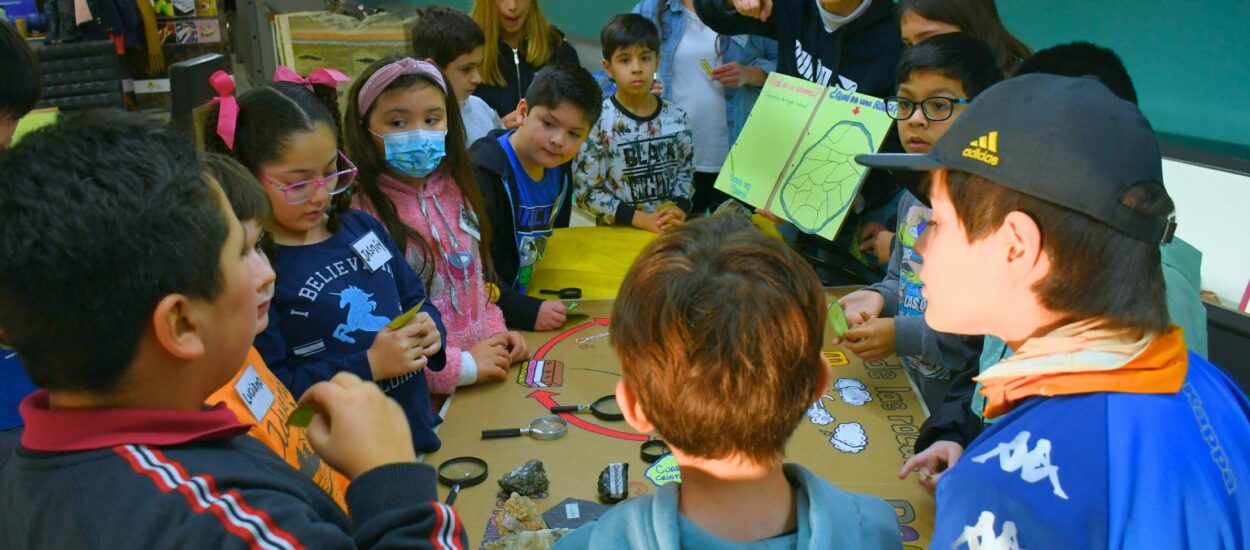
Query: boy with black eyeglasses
x=937, y=78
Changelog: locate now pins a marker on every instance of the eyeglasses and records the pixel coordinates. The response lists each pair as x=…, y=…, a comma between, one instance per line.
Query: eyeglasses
x=302, y=191
x=935, y=109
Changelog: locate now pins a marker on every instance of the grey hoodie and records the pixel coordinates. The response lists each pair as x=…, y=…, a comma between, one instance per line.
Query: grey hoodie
x=828, y=517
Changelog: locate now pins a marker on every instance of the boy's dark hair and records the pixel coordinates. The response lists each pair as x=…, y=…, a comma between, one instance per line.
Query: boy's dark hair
x=101, y=216
x=719, y=330
x=21, y=87
x=1083, y=59
x=268, y=117
x=444, y=33
x=246, y=198
x=1090, y=262
x=626, y=30
x=371, y=161
x=565, y=82
x=978, y=18
x=957, y=56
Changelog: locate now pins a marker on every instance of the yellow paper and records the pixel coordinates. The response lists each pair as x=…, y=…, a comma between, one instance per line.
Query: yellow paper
x=33, y=121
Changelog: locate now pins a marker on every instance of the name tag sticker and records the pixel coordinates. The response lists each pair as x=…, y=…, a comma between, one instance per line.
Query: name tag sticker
x=254, y=393
x=372, y=251
x=468, y=222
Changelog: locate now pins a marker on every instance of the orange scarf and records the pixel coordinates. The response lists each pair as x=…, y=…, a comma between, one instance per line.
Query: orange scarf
x=1086, y=357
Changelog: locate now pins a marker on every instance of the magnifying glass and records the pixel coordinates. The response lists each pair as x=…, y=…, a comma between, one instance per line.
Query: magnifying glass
x=570, y=293
x=604, y=408
x=545, y=428
x=461, y=472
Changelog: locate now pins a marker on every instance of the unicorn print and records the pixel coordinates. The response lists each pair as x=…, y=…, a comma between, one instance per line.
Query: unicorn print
x=359, y=314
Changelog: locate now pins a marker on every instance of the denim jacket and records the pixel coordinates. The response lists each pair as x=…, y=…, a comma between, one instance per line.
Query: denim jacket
x=743, y=49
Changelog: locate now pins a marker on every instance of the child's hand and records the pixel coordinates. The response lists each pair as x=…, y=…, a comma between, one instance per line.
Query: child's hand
x=670, y=218
x=932, y=463
x=758, y=9
x=768, y=215
x=357, y=427
x=551, y=315
x=517, y=346
x=862, y=306
x=397, y=351
x=733, y=74
x=879, y=245
x=427, y=333
x=648, y=221
x=512, y=120
x=657, y=88
x=492, y=358
x=872, y=340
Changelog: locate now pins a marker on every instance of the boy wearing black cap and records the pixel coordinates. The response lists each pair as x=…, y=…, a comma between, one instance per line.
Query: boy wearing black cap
x=1048, y=209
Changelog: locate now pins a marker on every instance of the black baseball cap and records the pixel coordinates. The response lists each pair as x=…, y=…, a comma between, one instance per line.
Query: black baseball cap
x=1067, y=141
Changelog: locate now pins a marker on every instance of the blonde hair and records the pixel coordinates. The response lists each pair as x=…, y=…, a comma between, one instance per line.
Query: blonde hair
x=542, y=37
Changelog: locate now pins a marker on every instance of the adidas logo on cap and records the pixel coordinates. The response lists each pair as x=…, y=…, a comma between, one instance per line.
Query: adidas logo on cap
x=984, y=149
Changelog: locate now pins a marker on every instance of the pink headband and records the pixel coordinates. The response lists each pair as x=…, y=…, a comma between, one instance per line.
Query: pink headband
x=386, y=75
x=324, y=77
x=228, y=111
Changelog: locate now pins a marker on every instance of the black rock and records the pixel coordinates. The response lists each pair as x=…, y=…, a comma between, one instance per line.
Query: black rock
x=527, y=479
x=614, y=482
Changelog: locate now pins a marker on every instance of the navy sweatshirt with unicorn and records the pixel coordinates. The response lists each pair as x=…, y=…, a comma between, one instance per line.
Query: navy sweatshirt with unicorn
x=330, y=301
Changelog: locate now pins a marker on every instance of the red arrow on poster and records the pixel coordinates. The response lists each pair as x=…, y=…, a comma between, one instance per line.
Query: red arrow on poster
x=542, y=352
x=547, y=400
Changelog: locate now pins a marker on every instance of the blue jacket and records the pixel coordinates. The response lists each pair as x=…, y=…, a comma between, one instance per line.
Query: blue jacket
x=327, y=308
x=828, y=517
x=1107, y=470
x=757, y=51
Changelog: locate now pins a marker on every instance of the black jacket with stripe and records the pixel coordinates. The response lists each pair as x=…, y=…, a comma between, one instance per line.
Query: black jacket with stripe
x=218, y=490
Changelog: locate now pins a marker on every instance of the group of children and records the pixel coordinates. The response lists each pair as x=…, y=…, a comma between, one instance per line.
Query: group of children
x=1026, y=202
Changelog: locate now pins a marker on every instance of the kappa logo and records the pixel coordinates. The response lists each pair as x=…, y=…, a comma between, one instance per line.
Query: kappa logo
x=1034, y=465
x=984, y=149
x=982, y=536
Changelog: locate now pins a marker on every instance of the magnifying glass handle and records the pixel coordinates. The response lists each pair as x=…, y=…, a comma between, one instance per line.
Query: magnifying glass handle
x=451, y=497
x=496, y=434
x=569, y=409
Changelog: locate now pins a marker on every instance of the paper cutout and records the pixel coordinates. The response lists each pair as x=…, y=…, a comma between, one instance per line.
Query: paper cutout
x=665, y=470
x=852, y=391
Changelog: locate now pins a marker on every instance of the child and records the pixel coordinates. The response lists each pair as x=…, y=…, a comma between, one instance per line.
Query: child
x=1109, y=433
x=716, y=102
x=20, y=90
x=449, y=38
x=639, y=155
x=942, y=440
x=519, y=43
x=920, y=20
x=254, y=394
x=690, y=371
x=341, y=279
x=937, y=79
x=432, y=208
x=525, y=175
x=119, y=451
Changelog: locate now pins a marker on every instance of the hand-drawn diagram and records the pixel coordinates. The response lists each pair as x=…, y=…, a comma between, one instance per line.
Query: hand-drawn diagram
x=817, y=413
x=852, y=391
x=826, y=177
x=849, y=437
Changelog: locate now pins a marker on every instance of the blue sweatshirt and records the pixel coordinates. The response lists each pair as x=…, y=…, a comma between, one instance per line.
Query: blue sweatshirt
x=1107, y=470
x=327, y=308
x=828, y=517
x=14, y=385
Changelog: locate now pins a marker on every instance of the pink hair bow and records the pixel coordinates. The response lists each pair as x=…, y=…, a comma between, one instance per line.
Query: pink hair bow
x=324, y=77
x=228, y=106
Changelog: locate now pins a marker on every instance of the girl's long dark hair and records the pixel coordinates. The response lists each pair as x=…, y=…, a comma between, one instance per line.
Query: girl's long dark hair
x=978, y=18
x=372, y=162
